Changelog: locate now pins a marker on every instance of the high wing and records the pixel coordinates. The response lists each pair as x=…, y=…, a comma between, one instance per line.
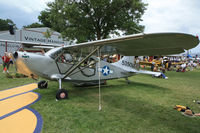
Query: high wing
x=132, y=45
x=141, y=44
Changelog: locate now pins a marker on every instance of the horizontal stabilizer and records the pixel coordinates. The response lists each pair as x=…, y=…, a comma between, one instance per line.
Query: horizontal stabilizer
x=156, y=74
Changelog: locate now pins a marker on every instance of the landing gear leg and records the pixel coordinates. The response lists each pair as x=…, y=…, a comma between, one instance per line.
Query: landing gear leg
x=128, y=81
x=61, y=93
x=60, y=84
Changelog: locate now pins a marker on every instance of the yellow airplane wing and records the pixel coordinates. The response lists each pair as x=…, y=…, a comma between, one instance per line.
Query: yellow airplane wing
x=150, y=63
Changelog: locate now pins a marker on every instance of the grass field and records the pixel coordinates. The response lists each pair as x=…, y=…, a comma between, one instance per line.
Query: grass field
x=144, y=106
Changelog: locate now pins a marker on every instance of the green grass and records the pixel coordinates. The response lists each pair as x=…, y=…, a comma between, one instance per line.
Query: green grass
x=144, y=106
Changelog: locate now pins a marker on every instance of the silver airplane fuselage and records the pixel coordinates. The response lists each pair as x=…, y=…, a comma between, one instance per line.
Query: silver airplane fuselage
x=42, y=65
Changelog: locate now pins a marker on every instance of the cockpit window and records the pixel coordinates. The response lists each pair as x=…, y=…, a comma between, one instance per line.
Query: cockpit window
x=66, y=60
x=91, y=63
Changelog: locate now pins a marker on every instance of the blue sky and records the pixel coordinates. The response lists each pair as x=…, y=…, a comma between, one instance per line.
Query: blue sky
x=160, y=16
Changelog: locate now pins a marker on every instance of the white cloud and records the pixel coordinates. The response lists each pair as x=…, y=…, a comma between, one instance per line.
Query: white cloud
x=173, y=16
x=22, y=12
x=168, y=15
x=28, y=6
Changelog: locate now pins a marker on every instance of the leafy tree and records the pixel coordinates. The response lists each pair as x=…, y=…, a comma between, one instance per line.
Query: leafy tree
x=34, y=25
x=45, y=18
x=48, y=33
x=85, y=20
x=4, y=24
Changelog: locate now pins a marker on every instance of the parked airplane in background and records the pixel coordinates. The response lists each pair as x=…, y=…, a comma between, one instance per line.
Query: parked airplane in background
x=81, y=64
x=193, y=58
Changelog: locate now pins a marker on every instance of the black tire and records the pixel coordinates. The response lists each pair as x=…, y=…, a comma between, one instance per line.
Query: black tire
x=61, y=94
x=43, y=84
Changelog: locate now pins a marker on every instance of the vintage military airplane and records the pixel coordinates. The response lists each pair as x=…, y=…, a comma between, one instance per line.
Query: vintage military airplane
x=81, y=64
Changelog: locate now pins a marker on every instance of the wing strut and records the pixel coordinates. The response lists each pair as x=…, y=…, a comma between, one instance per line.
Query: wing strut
x=83, y=60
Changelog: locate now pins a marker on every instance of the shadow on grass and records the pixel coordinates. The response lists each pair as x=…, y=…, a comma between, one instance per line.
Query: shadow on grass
x=144, y=85
x=113, y=88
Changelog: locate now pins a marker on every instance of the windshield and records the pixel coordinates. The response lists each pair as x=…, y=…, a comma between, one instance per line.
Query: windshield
x=53, y=53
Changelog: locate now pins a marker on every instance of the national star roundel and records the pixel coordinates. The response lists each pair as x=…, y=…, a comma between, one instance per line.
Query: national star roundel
x=105, y=70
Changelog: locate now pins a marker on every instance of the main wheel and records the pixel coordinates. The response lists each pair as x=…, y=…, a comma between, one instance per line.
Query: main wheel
x=43, y=84
x=61, y=94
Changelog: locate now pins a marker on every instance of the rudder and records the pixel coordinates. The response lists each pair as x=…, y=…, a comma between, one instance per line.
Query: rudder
x=126, y=62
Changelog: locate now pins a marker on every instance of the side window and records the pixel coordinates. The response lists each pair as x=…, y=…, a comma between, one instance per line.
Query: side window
x=91, y=63
x=88, y=68
x=61, y=59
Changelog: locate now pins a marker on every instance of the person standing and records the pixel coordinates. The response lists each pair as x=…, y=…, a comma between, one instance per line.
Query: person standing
x=6, y=62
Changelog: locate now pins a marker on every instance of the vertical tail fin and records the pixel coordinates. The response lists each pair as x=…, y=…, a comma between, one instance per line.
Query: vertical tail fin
x=126, y=63
x=131, y=64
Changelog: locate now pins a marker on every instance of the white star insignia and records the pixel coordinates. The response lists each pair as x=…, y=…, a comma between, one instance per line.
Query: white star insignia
x=106, y=71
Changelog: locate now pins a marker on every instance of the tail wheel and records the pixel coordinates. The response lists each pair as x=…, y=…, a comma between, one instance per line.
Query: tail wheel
x=61, y=94
x=43, y=84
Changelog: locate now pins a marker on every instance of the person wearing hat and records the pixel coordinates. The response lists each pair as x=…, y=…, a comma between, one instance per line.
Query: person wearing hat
x=6, y=62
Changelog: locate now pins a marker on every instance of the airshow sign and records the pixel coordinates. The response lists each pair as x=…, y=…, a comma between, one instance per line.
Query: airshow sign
x=41, y=35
